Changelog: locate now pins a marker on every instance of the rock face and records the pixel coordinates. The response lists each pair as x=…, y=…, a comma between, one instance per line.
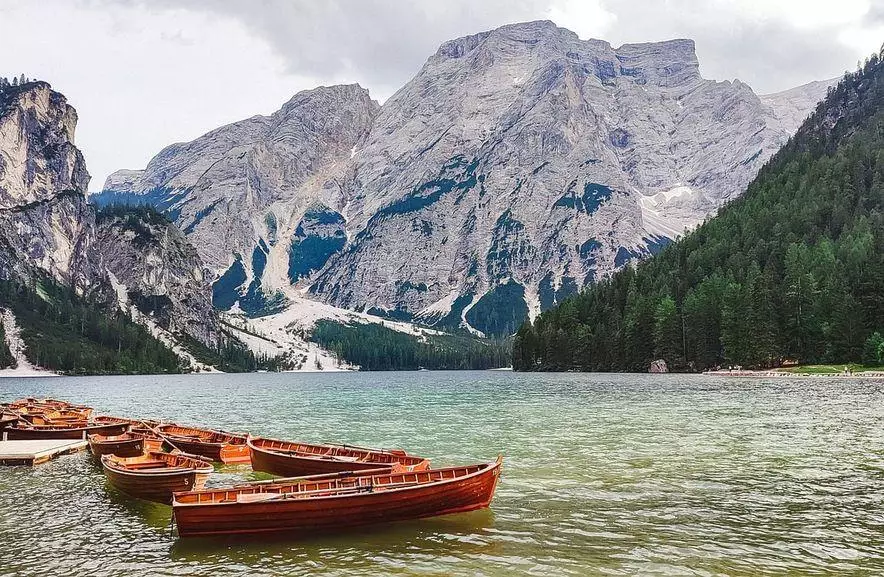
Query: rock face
x=54, y=236
x=48, y=228
x=45, y=223
x=522, y=163
x=38, y=158
x=240, y=192
x=160, y=272
x=517, y=166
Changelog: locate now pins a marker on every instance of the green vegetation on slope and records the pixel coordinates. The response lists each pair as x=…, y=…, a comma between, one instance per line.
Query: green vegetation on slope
x=69, y=334
x=377, y=348
x=231, y=357
x=792, y=270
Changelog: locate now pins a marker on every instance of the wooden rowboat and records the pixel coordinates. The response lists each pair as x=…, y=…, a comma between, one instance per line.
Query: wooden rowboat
x=7, y=419
x=21, y=431
x=125, y=445
x=53, y=417
x=41, y=406
x=292, y=459
x=156, y=476
x=216, y=445
x=332, y=502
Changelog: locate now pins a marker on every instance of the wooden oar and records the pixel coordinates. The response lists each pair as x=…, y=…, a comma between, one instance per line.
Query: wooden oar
x=163, y=437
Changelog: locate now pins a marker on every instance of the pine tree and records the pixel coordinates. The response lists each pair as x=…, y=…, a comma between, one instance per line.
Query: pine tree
x=667, y=331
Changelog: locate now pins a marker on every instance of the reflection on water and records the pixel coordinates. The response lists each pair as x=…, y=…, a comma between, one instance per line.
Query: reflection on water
x=604, y=475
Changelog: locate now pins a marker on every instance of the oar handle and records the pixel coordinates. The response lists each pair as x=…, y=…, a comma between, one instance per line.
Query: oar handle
x=163, y=437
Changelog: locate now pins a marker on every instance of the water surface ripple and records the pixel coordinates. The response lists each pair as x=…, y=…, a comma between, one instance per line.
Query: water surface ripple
x=603, y=475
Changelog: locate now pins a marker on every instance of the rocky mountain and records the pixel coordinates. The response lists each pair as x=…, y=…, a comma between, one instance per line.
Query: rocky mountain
x=153, y=267
x=45, y=222
x=793, y=271
x=517, y=166
x=246, y=193
x=47, y=228
x=523, y=163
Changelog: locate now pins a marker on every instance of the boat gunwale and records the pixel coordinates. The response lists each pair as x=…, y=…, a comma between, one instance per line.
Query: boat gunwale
x=396, y=458
x=484, y=468
x=90, y=425
x=161, y=428
x=109, y=463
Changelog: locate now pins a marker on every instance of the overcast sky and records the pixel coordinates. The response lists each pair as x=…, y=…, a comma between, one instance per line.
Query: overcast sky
x=143, y=74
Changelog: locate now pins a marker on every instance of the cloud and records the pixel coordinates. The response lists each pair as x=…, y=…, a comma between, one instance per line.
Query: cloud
x=382, y=43
x=379, y=43
x=145, y=73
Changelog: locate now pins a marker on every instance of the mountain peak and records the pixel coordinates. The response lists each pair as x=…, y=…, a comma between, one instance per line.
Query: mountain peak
x=39, y=123
x=336, y=92
x=519, y=165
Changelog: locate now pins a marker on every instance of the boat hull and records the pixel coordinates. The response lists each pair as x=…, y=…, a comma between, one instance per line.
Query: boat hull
x=234, y=450
x=158, y=486
x=292, y=465
x=24, y=434
x=303, y=516
x=121, y=446
x=219, y=452
x=7, y=421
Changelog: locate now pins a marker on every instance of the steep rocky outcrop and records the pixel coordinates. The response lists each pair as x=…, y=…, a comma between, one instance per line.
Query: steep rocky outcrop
x=242, y=191
x=153, y=267
x=45, y=222
x=38, y=158
x=48, y=228
x=519, y=165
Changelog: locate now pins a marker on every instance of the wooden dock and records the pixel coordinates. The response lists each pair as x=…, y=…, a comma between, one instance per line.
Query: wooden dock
x=37, y=451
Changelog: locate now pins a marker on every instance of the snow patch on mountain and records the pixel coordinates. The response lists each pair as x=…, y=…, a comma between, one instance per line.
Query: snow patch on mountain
x=17, y=347
x=122, y=293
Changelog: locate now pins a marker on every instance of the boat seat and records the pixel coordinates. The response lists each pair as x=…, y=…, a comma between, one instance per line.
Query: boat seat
x=256, y=497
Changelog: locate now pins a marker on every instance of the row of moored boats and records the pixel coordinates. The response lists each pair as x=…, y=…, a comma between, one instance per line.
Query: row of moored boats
x=321, y=487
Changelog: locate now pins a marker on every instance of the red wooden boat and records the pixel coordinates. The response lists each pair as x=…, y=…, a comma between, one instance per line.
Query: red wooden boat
x=156, y=476
x=7, y=419
x=292, y=459
x=22, y=431
x=125, y=445
x=57, y=418
x=216, y=445
x=40, y=406
x=332, y=502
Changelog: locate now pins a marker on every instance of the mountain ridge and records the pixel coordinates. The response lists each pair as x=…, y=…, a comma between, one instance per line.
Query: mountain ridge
x=519, y=165
x=792, y=271
x=53, y=242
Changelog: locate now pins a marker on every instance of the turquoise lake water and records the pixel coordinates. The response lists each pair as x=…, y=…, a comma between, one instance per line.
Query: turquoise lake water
x=603, y=475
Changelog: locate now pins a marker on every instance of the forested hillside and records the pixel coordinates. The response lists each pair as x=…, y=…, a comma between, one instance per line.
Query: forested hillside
x=68, y=334
x=377, y=348
x=793, y=270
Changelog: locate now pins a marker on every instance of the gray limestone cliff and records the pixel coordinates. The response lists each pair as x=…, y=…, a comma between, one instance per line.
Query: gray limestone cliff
x=45, y=222
x=48, y=228
x=517, y=166
x=522, y=163
x=153, y=267
x=241, y=192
